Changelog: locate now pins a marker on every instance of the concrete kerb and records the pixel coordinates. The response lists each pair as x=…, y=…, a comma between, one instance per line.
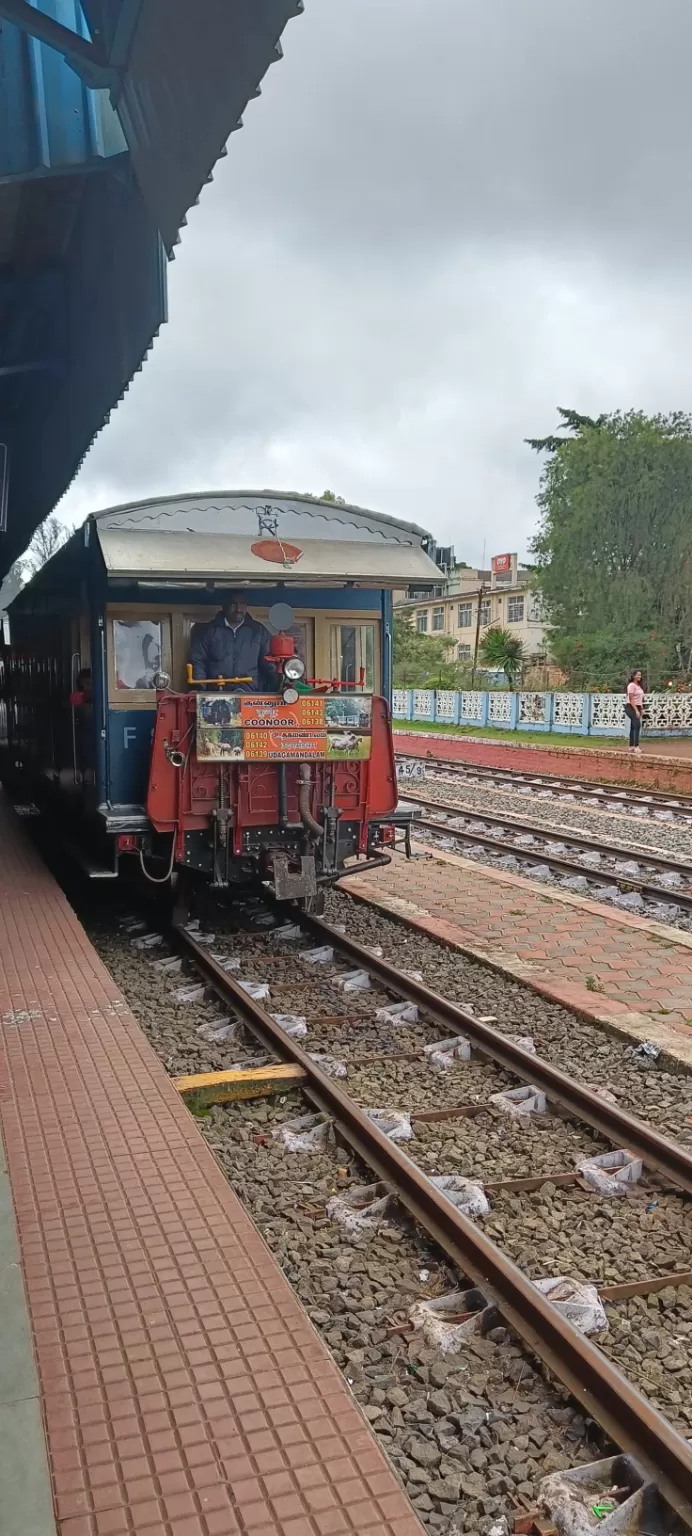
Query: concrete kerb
x=613, y=769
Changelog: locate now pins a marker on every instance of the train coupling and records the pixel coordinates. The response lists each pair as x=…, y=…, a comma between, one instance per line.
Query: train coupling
x=297, y=883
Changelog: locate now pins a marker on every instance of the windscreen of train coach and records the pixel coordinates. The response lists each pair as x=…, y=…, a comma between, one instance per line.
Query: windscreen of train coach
x=137, y=648
x=301, y=633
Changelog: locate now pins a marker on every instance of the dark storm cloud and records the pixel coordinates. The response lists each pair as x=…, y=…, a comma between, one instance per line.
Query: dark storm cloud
x=440, y=220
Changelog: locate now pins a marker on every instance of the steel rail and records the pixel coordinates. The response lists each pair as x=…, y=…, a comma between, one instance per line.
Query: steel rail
x=599, y=790
x=603, y=1392
x=570, y=839
x=615, y=1124
x=568, y=866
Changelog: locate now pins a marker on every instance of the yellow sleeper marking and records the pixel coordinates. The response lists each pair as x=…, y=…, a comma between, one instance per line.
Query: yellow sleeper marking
x=245, y=1083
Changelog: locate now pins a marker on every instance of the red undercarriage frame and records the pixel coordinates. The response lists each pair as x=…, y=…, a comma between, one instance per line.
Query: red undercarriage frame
x=234, y=803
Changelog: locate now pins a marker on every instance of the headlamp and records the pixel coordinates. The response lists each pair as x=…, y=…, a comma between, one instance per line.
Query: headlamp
x=290, y=696
x=161, y=681
x=294, y=668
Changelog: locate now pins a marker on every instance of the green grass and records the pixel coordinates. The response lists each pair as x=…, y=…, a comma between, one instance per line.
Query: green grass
x=534, y=738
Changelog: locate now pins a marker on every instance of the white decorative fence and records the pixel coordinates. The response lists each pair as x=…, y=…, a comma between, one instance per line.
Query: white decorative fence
x=577, y=714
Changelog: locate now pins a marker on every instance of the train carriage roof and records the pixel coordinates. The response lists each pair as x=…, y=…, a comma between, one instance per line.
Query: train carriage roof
x=261, y=536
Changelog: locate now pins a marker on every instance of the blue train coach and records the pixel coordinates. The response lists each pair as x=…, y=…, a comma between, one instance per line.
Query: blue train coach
x=109, y=622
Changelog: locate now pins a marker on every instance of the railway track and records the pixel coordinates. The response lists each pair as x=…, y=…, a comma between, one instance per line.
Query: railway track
x=496, y=1063
x=644, y=803
x=617, y=870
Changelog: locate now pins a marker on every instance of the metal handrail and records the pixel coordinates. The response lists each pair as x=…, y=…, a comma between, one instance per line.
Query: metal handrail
x=214, y=682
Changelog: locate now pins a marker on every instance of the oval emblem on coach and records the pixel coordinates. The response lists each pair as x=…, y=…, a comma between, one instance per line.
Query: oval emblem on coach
x=276, y=552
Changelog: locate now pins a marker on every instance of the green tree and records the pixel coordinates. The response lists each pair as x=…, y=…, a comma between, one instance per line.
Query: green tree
x=614, y=547
x=422, y=661
x=503, y=651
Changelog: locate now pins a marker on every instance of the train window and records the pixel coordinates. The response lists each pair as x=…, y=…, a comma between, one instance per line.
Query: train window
x=138, y=647
x=137, y=653
x=352, y=654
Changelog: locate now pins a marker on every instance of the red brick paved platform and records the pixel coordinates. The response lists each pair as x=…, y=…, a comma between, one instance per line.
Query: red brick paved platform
x=184, y=1390
x=555, y=941
x=671, y=774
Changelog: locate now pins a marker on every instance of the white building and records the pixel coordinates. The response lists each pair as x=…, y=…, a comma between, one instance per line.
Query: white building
x=469, y=602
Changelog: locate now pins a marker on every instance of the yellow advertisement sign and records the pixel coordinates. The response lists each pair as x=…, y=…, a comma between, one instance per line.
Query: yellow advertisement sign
x=251, y=728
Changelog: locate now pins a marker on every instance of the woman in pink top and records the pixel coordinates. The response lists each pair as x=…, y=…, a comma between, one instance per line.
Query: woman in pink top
x=634, y=708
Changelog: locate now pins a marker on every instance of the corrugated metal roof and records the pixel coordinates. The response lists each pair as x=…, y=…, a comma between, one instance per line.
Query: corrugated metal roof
x=228, y=558
x=80, y=315
x=82, y=281
x=187, y=69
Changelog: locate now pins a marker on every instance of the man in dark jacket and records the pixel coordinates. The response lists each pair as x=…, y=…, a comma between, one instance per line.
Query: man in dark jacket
x=234, y=645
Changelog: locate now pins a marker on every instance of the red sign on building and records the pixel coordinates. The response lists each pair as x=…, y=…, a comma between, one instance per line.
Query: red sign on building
x=501, y=563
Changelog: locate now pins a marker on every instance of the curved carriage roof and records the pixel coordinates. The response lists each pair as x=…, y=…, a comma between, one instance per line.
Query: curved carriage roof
x=250, y=512
x=228, y=538
x=259, y=536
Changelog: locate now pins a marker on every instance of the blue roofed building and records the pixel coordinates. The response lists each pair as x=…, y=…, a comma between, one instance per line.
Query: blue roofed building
x=113, y=114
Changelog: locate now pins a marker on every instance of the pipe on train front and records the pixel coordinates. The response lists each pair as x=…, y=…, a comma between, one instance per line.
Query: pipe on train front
x=287, y=789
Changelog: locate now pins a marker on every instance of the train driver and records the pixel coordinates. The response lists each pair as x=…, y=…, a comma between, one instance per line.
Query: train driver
x=234, y=644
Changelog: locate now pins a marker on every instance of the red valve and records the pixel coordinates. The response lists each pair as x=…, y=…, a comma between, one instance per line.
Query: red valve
x=281, y=647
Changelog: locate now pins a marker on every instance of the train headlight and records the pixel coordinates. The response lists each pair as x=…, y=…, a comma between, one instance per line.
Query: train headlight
x=290, y=695
x=161, y=681
x=294, y=669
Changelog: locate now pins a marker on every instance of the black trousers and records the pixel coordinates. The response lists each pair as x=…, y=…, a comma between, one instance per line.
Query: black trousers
x=635, y=721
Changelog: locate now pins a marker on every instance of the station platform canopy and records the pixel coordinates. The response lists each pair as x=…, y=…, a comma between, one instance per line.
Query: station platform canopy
x=113, y=114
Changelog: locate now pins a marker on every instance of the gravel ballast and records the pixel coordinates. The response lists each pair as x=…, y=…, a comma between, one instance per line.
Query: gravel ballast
x=554, y=812
x=470, y=1436
x=661, y=1094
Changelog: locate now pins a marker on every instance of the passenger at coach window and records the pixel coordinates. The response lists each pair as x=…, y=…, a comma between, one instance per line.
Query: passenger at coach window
x=81, y=698
x=151, y=658
x=634, y=708
x=84, y=684
x=232, y=645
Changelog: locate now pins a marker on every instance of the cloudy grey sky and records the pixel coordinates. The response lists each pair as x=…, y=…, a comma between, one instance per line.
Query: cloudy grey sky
x=442, y=219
